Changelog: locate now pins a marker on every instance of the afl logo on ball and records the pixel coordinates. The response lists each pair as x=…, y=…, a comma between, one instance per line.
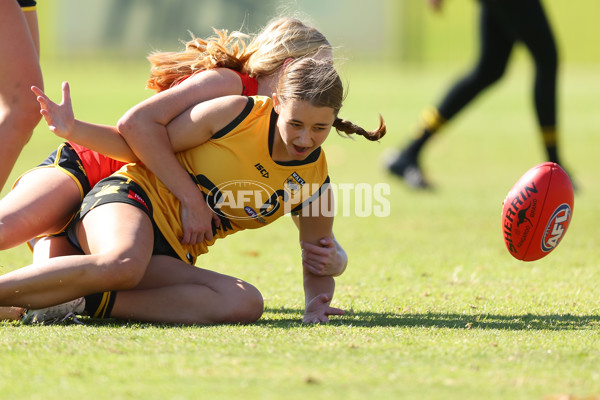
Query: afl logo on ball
x=556, y=227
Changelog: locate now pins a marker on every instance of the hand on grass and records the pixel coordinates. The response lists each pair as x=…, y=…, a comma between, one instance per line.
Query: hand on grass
x=318, y=310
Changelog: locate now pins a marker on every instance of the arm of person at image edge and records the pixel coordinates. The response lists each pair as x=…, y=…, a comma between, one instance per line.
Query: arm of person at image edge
x=144, y=127
x=322, y=259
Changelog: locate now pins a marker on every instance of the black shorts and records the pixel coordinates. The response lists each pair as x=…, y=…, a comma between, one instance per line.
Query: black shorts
x=118, y=189
x=67, y=160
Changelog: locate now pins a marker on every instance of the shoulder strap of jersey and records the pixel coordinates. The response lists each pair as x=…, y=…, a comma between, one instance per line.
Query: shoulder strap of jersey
x=236, y=121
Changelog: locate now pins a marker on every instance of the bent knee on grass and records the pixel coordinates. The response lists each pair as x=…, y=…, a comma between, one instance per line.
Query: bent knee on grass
x=235, y=303
x=244, y=306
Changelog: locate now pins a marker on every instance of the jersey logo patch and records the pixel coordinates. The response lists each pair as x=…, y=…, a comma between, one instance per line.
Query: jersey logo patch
x=293, y=184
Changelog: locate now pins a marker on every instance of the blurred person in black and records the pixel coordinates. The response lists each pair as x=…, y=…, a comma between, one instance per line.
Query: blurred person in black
x=502, y=23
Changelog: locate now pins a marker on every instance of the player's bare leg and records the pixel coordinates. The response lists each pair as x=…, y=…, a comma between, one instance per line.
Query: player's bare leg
x=175, y=292
x=19, y=70
x=11, y=313
x=119, y=238
x=42, y=202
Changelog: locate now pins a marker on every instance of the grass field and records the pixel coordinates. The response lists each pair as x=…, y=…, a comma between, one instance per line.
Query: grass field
x=437, y=308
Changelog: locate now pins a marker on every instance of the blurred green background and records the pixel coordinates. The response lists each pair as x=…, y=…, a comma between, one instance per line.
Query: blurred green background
x=405, y=31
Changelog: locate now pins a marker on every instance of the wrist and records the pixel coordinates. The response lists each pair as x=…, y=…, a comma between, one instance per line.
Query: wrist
x=191, y=195
x=70, y=133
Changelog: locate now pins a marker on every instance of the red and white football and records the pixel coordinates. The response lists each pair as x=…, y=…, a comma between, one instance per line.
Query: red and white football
x=537, y=211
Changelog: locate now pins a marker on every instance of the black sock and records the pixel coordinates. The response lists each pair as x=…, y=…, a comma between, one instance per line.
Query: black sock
x=100, y=305
x=429, y=122
x=414, y=148
x=552, y=154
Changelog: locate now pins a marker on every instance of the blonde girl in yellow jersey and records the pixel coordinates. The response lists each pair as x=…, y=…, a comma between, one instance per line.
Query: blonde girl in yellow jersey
x=120, y=237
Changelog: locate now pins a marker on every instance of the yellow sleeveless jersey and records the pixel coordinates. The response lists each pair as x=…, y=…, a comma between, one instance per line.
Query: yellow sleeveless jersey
x=240, y=180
